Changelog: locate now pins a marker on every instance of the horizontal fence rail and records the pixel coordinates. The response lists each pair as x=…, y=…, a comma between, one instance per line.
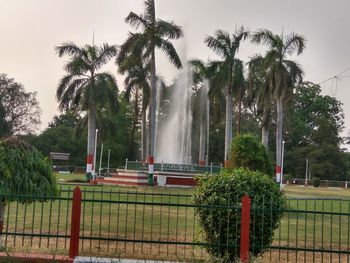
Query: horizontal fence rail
x=169, y=167
x=152, y=225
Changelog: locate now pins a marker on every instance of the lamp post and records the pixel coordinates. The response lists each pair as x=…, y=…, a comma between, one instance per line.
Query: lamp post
x=94, y=169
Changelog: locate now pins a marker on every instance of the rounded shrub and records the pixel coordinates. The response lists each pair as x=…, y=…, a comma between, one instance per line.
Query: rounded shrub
x=219, y=199
x=316, y=182
x=24, y=171
x=248, y=152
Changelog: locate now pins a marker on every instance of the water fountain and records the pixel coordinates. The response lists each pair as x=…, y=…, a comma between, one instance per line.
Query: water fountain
x=174, y=132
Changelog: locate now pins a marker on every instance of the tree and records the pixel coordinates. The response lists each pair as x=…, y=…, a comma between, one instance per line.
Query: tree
x=283, y=74
x=85, y=87
x=227, y=47
x=137, y=78
x=312, y=130
x=261, y=94
x=203, y=76
x=155, y=33
x=314, y=118
x=248, y=153
x=23, y=172
x=60, y=137
x=19, y=110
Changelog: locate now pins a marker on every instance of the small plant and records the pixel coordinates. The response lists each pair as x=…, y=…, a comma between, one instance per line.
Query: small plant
x=316, y=182
x=221, y=225
x=248, y=152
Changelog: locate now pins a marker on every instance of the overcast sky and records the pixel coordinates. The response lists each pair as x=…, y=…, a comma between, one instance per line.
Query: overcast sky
x=30, y=29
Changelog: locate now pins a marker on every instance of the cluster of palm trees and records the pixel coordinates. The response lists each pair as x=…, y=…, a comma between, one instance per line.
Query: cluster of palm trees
x=271, y=76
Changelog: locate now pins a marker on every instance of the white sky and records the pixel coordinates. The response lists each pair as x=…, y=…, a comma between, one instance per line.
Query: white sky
x=30, y=29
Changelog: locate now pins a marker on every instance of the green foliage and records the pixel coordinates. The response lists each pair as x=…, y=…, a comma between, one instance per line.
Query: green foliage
x=248, y=152
x=19, y=110
x=220, y=225
x=24, y=171
x=316, y=182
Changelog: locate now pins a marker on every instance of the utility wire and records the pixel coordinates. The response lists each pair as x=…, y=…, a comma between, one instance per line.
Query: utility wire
x=336, y=77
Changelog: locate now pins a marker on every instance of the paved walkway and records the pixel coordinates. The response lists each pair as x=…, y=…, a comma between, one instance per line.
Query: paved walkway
x=113, y=260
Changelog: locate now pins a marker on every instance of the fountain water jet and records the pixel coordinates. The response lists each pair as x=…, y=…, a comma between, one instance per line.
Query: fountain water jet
x=175, y=131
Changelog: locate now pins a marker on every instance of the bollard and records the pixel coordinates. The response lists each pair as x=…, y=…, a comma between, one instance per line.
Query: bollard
x=245, y=224
x=75, y=224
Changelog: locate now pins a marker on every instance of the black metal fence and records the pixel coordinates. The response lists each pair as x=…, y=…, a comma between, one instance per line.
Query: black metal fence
x=165, y=226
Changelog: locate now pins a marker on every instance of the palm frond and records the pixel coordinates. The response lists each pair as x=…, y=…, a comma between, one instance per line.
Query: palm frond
x=136, y=21
x=266, y=37
x=168, y=29
x=294, y=43
x=68, y=48
x=219, y=43
x=168, y=48
x=104, y=54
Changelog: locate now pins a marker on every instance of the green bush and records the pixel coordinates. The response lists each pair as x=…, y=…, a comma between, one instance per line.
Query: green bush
x=316, y=182
x=248, y=152
x=24, y=171
x=222, y=224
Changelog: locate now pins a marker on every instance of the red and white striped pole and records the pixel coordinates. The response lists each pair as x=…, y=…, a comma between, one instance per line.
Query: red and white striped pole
x=150, y=170
x=278, y=174
x=89, y=166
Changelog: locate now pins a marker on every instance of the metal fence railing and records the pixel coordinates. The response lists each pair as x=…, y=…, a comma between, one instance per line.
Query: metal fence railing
x=169, y=167
x=165, y=226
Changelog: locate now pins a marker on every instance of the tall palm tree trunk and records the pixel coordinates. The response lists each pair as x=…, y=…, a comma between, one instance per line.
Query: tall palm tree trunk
x=239, y=110
x=265, y=137
x=228, y=127
x=152, y=124
x=202, y=129
x=265, y=129
x=207, y=133
x=2, y=216
x=134, y=125
x=279, y=139
x=91, y=141
x=143, y=133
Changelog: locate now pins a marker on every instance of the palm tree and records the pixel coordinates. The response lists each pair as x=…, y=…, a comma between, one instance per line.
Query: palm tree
x=155, y=33
x=202, y=75
x=260, y=91
x=86, y=87
x=227, y=47
x=282, y=74
x=137, y=79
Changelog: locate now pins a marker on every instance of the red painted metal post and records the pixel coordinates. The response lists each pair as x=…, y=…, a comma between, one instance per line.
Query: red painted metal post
x=75, y=224
x=245, y=223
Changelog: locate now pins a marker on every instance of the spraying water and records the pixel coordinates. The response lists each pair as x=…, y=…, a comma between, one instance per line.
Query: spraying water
x=174, y=131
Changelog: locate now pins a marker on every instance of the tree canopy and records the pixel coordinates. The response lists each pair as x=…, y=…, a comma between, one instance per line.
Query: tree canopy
x=19, y=110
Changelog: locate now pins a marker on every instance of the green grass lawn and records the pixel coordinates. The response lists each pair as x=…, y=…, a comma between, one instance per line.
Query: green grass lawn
x=117, y=221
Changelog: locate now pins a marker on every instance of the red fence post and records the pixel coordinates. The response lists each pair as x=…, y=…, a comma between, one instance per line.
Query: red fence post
x=245, y=223
x=75, y=223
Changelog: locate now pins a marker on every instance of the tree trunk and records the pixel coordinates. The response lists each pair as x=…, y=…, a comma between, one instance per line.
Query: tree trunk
x=239, y=110
x=279, y=139
x=202, y=134
x=2, y=216
x=265, y=136
x=132, y=144
x=265, y=128
x=91, y=141
x=143, y=133
x=152, y=124
x=208, y=127
x=228, y=127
